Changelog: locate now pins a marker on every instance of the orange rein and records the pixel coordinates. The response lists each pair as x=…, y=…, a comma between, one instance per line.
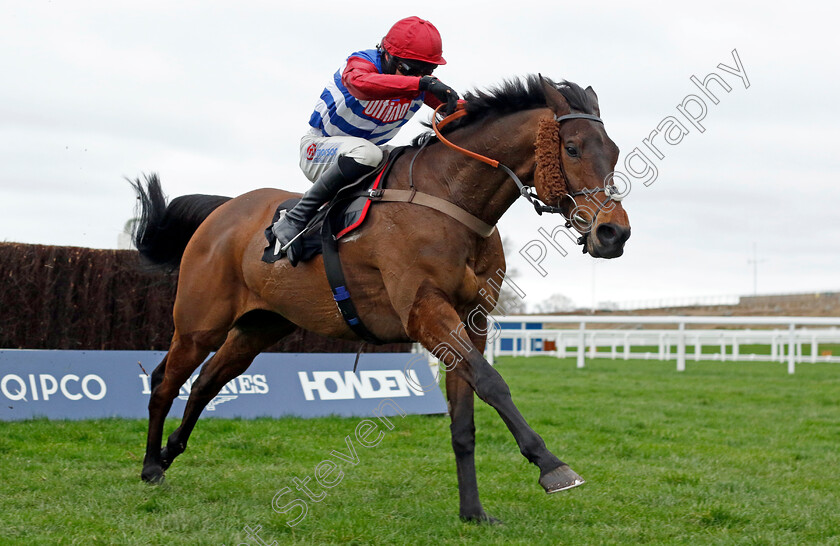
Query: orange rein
x=523, y=190
x=458, y=114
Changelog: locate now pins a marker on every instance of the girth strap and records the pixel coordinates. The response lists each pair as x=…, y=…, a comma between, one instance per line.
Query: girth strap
x=332, y=260
x=338, y=282
x=441, y=205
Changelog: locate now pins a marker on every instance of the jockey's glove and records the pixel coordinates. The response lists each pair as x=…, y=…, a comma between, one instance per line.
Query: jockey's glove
x=443, y=92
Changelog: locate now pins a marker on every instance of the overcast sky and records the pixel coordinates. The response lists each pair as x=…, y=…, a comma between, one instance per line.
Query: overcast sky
x=215, y=96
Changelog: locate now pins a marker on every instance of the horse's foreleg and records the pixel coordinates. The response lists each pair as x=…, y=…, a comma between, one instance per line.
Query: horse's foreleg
x=237, y=353
x=460, y=397
x=183, y=358
x=434, y=323
x=461, y=409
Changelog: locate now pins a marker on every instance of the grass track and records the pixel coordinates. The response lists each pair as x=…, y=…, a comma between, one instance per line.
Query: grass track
x=723, y=453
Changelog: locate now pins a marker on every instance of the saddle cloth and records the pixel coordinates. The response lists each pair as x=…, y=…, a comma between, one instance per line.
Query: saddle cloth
x=351, y=213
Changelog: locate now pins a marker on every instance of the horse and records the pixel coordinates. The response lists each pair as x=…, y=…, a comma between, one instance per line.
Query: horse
x=415, y=273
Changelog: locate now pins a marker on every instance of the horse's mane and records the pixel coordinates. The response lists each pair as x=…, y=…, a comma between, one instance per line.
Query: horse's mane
x=516, y=95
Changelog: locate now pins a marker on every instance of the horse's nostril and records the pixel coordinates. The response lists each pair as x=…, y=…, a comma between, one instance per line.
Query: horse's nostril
x=611, y=234
x=607, y=234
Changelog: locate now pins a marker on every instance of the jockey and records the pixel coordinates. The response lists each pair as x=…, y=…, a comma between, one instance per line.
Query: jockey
x=364, y=105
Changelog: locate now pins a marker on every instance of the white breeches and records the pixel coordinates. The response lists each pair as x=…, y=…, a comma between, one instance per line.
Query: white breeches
x=318, y=152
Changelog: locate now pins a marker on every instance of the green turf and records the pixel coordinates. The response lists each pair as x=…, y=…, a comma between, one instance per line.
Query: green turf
x=723, y=453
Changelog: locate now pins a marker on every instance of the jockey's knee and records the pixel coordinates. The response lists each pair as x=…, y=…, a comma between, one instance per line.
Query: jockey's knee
x=365, y=153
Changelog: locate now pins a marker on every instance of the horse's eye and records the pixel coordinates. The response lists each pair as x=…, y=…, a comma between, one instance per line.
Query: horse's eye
x=572, y=151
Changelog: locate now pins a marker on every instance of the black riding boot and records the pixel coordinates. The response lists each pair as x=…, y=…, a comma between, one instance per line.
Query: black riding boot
x=338, y=175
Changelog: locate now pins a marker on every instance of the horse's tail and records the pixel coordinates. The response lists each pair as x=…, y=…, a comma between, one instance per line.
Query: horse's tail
x=161, y=232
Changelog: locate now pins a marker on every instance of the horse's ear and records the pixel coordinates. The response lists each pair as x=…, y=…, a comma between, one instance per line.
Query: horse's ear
x=554, y=99
x=594, y=98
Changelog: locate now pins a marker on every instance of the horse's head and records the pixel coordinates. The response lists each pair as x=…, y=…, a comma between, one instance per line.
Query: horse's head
x=575, y=162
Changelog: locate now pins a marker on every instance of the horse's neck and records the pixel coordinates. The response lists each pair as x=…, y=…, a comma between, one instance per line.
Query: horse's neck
x=478, y=188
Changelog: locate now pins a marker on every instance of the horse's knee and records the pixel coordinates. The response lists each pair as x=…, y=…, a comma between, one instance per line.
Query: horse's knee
x=157, y=375
x=199, y=385
x=492, y=388
x=202, y=385
x=159, y=398
x=463, y=439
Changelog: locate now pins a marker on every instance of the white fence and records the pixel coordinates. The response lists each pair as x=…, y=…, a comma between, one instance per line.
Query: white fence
x=785, y=344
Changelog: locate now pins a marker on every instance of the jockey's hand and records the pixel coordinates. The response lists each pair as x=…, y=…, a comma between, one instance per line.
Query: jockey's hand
x=443, y=92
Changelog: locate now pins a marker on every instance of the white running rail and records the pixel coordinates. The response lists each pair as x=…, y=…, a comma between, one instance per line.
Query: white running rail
x=786, y=341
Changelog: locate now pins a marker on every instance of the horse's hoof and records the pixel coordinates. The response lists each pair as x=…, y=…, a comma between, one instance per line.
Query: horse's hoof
x=482, y=518
x=152, y=474
x=560, y=479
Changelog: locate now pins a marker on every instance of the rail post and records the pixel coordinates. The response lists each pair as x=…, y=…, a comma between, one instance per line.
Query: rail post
x=662, y=347
x=681, y=348
x=792, y=348
x=627, y=346
x=736, y=348
x=526, y=342
x=581, y=350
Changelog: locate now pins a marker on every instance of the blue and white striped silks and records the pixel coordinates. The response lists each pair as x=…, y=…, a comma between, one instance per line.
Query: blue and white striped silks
x=338, y=113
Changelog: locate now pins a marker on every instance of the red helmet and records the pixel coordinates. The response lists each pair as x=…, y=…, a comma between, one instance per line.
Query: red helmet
x=416, y=39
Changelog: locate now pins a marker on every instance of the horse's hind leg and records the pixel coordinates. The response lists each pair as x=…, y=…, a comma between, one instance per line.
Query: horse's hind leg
x=250, y=336
x=184, y=356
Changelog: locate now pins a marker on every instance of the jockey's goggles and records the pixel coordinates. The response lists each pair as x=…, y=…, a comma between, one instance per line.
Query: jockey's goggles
x=415, y=68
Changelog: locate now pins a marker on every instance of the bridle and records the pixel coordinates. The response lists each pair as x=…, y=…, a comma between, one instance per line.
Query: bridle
x=610, y=190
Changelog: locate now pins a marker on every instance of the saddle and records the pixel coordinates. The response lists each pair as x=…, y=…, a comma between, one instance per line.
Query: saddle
x=347, y=211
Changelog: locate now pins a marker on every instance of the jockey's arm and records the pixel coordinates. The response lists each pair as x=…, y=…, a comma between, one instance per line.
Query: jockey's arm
x=365, y=82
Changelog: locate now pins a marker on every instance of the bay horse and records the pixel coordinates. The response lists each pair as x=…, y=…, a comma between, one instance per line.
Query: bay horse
x=415, y=273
